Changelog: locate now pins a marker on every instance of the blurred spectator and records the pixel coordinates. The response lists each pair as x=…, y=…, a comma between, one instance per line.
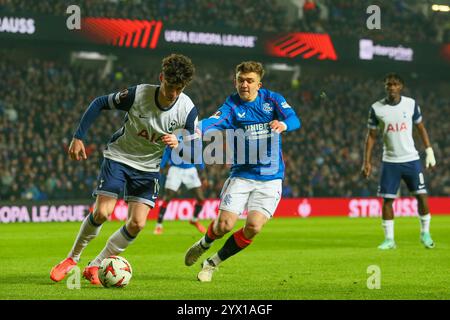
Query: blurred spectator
x=401, y=21
x=322, y=159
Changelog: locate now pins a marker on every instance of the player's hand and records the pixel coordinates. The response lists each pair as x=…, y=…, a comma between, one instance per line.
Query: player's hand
x=430, y=160
x=366, y=170
x=77, y=150
x=278, y=126
x=170, y=140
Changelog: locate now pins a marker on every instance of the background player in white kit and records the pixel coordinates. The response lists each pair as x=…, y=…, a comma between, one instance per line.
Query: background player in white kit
x=394, y=116
x=256, y=186
x=132, y=157
x=180, y=173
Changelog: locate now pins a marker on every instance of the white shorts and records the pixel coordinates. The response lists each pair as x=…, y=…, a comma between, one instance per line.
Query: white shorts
x=177, y=176
x=239, y=194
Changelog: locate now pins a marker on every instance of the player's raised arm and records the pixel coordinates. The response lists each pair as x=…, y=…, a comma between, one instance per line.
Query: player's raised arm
x=122, y=100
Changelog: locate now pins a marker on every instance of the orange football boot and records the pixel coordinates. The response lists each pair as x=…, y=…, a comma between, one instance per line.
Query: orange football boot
x=59, y=271
x=91, y=274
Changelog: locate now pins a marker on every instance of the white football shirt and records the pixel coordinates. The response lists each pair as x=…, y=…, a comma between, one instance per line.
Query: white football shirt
x=396, y=124
x=138, y=143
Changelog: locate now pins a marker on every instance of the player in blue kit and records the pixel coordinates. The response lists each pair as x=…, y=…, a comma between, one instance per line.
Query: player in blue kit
x=254, y=183
x=132, y=157
x=186, y=173
x=394, y=116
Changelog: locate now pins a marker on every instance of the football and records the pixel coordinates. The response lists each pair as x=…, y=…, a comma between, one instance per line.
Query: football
x=115, y=271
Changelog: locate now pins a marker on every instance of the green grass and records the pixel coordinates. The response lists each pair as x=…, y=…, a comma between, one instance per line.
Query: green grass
x=292, y=259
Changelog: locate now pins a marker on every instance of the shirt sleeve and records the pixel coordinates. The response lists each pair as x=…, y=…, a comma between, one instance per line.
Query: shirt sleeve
x=372, y=122
x=417, y=116
x=122, y=100
x=222, y=119
x=89, y=116
x=286, y=113
x=192, y=121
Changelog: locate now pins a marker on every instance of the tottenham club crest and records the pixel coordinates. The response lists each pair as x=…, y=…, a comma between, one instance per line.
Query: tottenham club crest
x=172, y=125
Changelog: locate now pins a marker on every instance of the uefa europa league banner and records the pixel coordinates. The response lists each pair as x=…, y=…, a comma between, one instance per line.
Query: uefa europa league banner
x=183, y=209
x=161, y=36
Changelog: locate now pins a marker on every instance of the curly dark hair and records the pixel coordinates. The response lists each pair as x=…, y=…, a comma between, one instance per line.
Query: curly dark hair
x=178, y=69
x=393, y=75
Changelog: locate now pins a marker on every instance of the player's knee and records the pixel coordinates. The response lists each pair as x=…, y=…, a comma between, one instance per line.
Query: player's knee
x=252, y=229
x=224, y=226
x=135, y=226
x=101, y=215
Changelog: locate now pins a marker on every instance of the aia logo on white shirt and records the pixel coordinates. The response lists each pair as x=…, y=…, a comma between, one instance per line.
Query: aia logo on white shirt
x=396, y=127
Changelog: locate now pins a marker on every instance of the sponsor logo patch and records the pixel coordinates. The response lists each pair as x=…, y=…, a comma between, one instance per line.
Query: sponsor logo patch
x=216, y=115
x=285, y=105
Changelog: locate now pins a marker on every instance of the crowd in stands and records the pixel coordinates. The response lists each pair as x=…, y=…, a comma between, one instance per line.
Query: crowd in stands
x=41, y=103
x=400, y=20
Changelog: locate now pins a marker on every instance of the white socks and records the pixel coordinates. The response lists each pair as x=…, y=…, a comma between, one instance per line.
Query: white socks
x=388, y=227
x=115, y=245
x=215, y=259
x=88, y=231
x=425, y=223
x=204, y=243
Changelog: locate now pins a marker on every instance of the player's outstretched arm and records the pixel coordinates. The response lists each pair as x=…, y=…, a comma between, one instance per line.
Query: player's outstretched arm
x=122, y=100
x=77, y=150
x=89, y=116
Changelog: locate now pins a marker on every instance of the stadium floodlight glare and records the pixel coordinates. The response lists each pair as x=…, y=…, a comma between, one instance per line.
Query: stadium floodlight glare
x=281, y=67
x=90, y=55
x=440, y=7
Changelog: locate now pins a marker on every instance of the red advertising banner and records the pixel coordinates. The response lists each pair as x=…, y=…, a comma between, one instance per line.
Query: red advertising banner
x=306, y=45
x=182, y=209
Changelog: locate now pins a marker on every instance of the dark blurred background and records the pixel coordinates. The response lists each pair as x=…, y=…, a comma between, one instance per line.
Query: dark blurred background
x=45, y=86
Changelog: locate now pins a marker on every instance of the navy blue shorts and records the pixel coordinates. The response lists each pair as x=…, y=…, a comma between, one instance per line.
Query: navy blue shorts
x=137, y=185
x=393, y=173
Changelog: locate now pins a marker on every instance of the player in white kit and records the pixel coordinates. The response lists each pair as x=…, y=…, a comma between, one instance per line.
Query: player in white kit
x=394, y=117
x=132, y=157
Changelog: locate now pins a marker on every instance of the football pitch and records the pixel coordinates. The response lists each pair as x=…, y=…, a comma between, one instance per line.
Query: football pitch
x=292, y=259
